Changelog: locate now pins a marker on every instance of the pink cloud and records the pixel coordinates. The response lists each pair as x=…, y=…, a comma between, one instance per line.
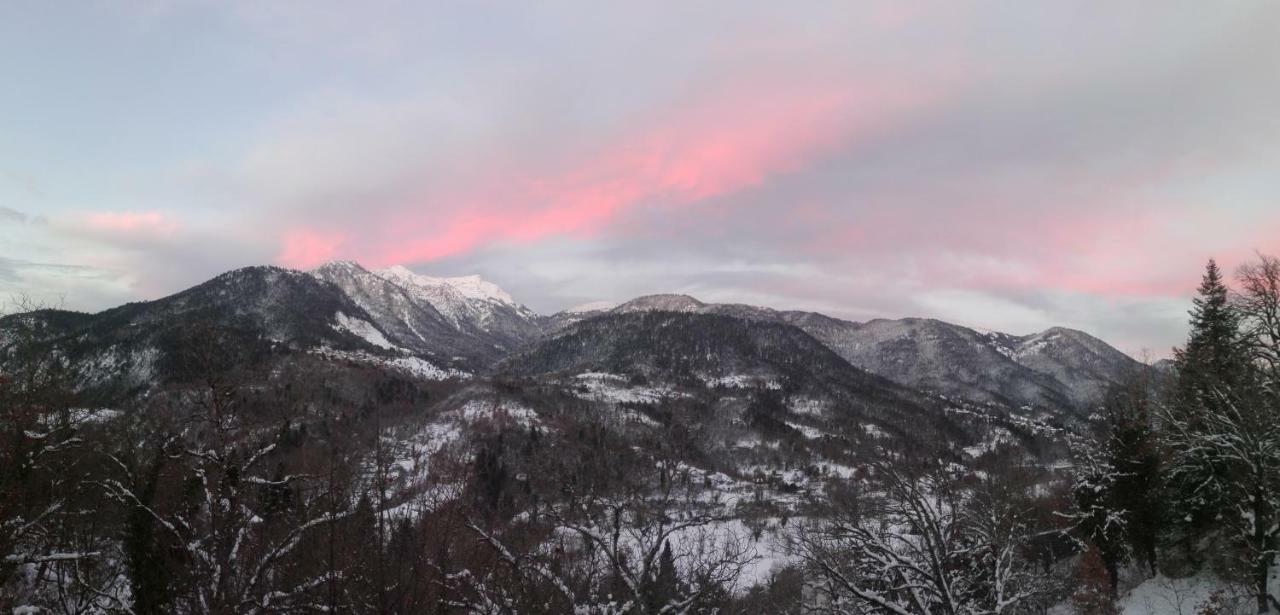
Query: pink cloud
x=305, y=248
x=687, y=158
x=1118, y=241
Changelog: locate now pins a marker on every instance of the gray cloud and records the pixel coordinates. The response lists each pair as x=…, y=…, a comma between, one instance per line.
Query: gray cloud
x=12, y=215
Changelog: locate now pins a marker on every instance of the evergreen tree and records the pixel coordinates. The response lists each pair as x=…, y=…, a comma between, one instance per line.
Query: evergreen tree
x=1213, y=357
x=363, y=582
x=1098, y=524
x=1116, y=491
x=1211, y=365
x=1134, y=454
x=148, y=568
x=664, y=587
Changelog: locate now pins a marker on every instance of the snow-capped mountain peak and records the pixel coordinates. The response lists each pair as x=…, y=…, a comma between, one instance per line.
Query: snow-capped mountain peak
x=469, y=286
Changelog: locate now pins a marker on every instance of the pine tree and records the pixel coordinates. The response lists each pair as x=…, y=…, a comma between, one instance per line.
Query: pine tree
x=1098, y=521
x=363, y=581
x=150, y=576
x=1116, y=487
x=1134, y=454
x=664, y=587
x=1213, y=357
x=1211, y=365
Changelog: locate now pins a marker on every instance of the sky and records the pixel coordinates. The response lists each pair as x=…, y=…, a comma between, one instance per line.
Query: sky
x=1002, y=165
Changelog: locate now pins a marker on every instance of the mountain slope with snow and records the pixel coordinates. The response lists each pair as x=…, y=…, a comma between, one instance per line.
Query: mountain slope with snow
x=470, y=302
x=469, y=324
x=1055, y=369
x=243, y=318
x=405, y=317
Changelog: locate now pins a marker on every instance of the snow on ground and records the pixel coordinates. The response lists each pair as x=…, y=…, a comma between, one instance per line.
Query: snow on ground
x=768, y=551
x=812, y=433
x=424, y=369
x=998, y=437
x=476, y=409
x=838, y=469
x=115, y=365
x=426, y=501
x=1161, y=595
x=631, y=416
x=739, y=381
x=412, y=450
x=874, y=431
x=594, y=306
x=612, y=388
x=364, y=330
x=409, y=470
x=807, y=406
x=411, y=365
x=83, y=416
x=469, y=286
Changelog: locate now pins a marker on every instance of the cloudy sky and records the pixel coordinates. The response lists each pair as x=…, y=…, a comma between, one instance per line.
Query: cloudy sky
x=1005, y=165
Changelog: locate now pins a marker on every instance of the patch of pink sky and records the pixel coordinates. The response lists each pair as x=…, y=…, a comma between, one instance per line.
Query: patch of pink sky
x=732, y=143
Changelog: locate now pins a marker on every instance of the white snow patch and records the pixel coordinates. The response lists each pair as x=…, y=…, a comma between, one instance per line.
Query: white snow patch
x=477, y=409
x=807, y=406
x=469, y=286
x=612, y=388
x=363, y=329
x=838, y=469
x=82, y=416
x=874, y=432
x=414, y=366
x=999, y=436
x=740, y=381
x=1161, y=595
x=812, y=433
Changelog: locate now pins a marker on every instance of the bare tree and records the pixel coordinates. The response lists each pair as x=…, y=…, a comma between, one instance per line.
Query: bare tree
x=917, y=543
x=658, y=549
x=1258, y=302
x=238, y=522
x=44, y=506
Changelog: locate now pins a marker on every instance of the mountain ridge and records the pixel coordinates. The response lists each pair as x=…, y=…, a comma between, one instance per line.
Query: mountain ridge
x=468, y=323
x=946, y=358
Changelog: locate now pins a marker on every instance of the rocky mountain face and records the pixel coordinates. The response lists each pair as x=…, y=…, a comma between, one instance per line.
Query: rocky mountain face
x=470, y=303
x=401, y=317
x=467, y=318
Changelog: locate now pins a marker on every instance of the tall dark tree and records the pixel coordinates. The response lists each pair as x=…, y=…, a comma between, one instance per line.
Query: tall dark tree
x=150, y=570
x=1097, y=521
x=1213, y=357
x=1116, y=492
x=1211, y=365
x=1134, y=451
x=664, y=587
